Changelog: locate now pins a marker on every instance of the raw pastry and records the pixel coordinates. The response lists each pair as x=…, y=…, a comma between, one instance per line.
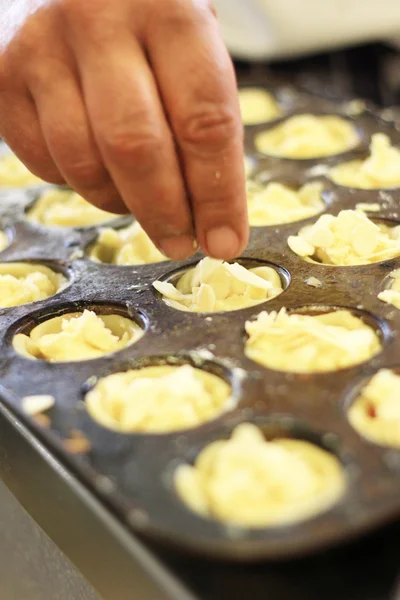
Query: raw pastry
x=158, y=399
x=21, y=283
x=65, y=208
x=376, y=412
x=351, y=238
x=214, y=285
x=252, y=482
x=380, y=170
x=308, y=136
x=307, y=344
x=257, y=106
x=78, y=336
x=13, y=173
x=275, y=203
x=392, y=295
x=128, y=246
x=248, y=166
x=3, y=241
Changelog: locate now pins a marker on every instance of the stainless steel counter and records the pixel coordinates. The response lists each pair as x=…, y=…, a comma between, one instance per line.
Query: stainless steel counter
x=31, y=565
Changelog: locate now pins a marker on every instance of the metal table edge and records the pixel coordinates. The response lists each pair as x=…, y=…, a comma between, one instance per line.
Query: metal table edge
x=109, y=556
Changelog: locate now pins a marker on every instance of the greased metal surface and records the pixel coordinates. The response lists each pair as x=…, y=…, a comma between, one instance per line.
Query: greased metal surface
x=133, y=473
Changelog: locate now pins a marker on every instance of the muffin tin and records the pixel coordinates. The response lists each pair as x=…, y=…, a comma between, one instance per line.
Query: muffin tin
x=132, y=474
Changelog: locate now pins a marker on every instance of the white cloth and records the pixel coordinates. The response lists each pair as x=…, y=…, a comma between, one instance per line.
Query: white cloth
x=258, y=29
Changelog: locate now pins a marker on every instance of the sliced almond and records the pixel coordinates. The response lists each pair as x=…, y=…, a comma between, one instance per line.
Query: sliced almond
x=34, y=405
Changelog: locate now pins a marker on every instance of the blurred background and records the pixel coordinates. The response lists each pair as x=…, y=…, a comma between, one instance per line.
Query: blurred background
x=370, y=71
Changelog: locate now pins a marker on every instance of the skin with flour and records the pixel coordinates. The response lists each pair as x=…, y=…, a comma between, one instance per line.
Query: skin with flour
x=173, y=156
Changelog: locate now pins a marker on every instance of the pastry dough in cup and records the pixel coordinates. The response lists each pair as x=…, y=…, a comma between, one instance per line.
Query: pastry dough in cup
x=248, y=166
x=158, y=399
x=275, y=203
x=251, y=482
x=350, y=238
x=392, y=294
x=64, y=208
x=380, y=170
x=22, y=283
x=3, y=241
x=300, y=343
x=214, y=285
x=257, y=106
x=308, y=136
x=77, y=336
x=128, y=246
x=375, y=414
x=13, y=173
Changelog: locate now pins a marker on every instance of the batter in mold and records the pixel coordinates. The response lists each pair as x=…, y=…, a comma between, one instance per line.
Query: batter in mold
x=158, y=399
x=310, y=343
x=78, y=336
x=276, y=203
x=21, y=283
x=392, y=295
x=380, y=170
x=252, y=482
x=350, y=238
x=65, y=208
x=13, y=173
x=214, y=285
x=128, y=246
x=375, y=414
x=257, y=106
x=248, y=166
x=3, y=241
x=308, y=136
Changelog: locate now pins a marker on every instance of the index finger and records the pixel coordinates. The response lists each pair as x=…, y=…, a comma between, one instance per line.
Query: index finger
x=199, y=92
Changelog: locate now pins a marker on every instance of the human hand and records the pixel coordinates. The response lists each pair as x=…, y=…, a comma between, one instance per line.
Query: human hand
x=133, y=104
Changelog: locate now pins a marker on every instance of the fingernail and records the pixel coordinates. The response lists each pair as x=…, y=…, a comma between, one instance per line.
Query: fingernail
x=223, y=242
x=178, y=247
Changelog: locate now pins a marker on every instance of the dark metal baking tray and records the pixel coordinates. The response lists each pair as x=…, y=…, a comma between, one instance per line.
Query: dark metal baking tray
x=121, y=567
x=132, y=474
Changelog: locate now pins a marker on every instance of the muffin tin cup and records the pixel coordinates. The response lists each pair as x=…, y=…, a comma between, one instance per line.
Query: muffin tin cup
x=132, y=473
